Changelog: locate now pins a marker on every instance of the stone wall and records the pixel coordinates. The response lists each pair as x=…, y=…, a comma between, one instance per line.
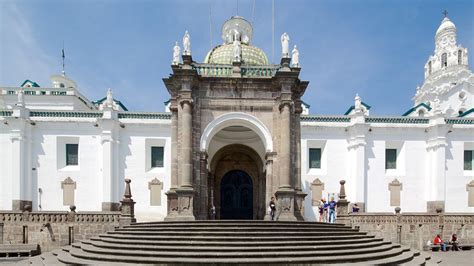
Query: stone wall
x=415, y=229
x=54, y=229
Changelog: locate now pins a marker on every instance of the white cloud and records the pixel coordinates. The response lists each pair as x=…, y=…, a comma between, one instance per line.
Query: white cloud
x=21, y=55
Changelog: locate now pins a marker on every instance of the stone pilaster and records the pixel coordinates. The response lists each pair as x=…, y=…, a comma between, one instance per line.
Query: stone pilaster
x=299, y=196
x=203, y=188
x=172, y=196
x=268, y=182
x=127, y=215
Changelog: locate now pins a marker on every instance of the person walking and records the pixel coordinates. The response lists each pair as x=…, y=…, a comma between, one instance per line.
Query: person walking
x=332, y=210
x=272, y=208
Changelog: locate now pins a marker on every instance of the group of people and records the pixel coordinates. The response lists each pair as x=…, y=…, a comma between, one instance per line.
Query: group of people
x=327, y=210
x=453, y=242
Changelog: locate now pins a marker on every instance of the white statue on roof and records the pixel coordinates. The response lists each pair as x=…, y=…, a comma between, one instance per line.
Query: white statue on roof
x=21, y=100
x=295, y=57
x=237, y=51
x=285, y=39
x=186, y=44
x=109, y=102
x=358, y=103
x=176, y=53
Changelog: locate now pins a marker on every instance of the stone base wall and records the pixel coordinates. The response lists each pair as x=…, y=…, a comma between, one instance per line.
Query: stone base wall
x=52, y=230
x=415, y=229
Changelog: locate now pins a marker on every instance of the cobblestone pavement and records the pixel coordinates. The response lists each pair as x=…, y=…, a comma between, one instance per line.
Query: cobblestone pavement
x=453, y=257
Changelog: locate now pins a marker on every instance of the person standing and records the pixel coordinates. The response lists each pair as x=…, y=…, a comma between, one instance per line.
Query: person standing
x=321, y=210
x=332, y=210
x=454, y=241
x=325, y=211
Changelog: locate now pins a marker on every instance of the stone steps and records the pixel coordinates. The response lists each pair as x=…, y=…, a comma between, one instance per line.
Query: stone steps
x=180, y=248
x=236, y=245
x=236, y=242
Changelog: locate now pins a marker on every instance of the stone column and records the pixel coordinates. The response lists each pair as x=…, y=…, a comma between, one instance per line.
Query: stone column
x=172, y=197
x=268, y=182
x=185, y=192
x=285, y=194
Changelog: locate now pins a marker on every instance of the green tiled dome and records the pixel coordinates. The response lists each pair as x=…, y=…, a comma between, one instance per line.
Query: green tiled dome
x=224, y=54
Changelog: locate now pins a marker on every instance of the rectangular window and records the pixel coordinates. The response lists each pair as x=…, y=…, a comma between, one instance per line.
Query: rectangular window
x=315, y=158
x=390, y=158
x=157, y=156
x=468, y=160
x=72, y=157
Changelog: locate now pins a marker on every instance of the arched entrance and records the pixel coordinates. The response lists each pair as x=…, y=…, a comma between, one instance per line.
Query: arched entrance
x=236, y=195
x=237, y=182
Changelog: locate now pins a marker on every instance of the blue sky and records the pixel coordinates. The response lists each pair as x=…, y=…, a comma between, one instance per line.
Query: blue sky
x=374, y=48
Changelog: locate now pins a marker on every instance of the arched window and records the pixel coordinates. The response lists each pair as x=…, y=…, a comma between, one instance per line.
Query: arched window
x=444, y=60
x=429, y=67
x=421, y=113
x=459, y=57
x=61, y=85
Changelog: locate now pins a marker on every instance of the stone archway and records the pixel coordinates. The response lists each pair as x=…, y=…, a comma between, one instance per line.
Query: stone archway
x=238, y=157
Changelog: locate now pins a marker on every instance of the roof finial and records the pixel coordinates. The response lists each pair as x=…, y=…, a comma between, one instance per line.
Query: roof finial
x=64, y=57
x=445, y=13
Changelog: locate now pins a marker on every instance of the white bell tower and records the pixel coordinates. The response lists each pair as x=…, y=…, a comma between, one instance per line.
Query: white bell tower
x=448, y=78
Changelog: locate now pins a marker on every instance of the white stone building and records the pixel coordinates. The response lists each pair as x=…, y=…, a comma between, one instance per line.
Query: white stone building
x=59, y=149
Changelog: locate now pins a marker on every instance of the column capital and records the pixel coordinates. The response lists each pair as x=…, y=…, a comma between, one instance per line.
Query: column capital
x=270, y=155
x=285, y=102
x=203, y=155
x=184, y=101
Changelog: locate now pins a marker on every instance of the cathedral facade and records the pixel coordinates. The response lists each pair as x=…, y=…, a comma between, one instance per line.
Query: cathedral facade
x=235, y=134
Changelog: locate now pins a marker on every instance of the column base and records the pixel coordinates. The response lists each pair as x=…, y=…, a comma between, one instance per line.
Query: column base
x=110, y=206
x=22, y=205
x=185, y=204
x=172, y=205
x=285, y=205
x=299, y=205
x=342, y=212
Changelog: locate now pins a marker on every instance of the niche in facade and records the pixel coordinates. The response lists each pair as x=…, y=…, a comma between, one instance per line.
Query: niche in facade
x=155, y=187
x=395, y=188
x=317, y=188
x=68, y=186
x=470, y=194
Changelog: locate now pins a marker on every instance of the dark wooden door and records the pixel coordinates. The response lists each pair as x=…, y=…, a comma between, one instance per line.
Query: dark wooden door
x=236, y=196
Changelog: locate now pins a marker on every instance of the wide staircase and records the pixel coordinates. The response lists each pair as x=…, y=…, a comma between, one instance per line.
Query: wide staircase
x=234, y=242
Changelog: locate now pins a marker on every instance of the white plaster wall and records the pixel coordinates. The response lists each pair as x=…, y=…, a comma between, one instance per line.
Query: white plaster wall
x=334, y=163
x=456, y=177
x=5, y=168
x=50, y=172
x=134, y=146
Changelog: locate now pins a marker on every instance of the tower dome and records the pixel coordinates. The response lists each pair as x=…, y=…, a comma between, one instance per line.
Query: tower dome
x=236, y=29
x=446, y=34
